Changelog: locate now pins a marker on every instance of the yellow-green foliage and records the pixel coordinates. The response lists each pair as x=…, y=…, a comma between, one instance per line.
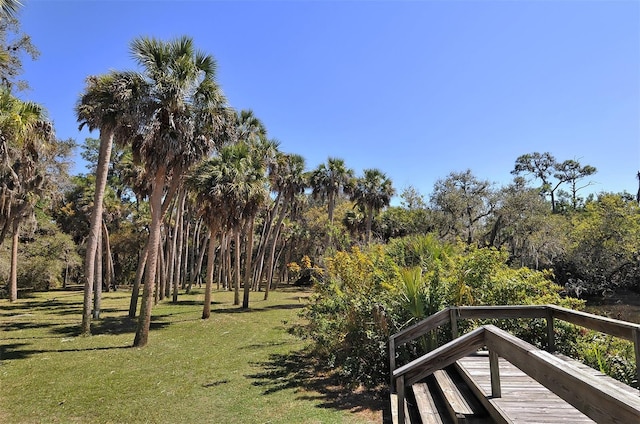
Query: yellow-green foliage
x=483, y=276
x=368, y=294
x=358, y=270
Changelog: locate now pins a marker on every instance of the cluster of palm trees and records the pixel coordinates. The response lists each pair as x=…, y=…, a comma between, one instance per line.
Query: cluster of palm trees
x=171, y=115
x=371, y=193
x=189, y=144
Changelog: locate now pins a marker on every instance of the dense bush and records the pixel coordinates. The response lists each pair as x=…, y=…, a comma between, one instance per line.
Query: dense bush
x=604, y=252
x=367, y=295
x=348, y=316
x=45, y=256
x=609, y=355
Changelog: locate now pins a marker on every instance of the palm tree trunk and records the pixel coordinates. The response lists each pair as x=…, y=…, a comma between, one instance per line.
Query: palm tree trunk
x=179, y=247
x=192, y=257
x=172, y=239
x=155, y=202
x=109, y=272
x=102, y=170
x=97, y=281
x=247, y=272
x=161, y=276
x=287, y=259
x=198, y=268
x=187, y=254
x=226, y=272
x=283, y=271
x=236, y=288
x=369, y=222
x=13, y=279
x=206, y=311
x=272, y=253
x=264, y=238
x=135, y=291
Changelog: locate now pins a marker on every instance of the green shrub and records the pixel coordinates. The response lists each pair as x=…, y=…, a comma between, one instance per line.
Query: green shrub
x=609, y=355
x=369, y=294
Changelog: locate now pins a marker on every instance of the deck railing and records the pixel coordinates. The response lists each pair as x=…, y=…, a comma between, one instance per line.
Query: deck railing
x=500, y=343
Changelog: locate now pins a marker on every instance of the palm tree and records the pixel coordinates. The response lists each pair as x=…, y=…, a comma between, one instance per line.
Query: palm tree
x=250, y=128
x=328, y=181
x=27, y=145
x=9, y=8
x=207, y=181
x=188, y=118
x=372, y=192
x=289, y=180
x=250, y=193
x=109, y=104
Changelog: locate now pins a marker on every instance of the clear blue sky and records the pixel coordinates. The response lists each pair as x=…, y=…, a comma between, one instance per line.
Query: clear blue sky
x=416, y=88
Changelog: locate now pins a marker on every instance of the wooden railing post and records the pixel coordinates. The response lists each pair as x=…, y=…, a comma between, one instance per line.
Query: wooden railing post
x=392, y=360
x=400, y=394
x=494, y=370
x=453, y=318
x=551, y=338
x=636, y=348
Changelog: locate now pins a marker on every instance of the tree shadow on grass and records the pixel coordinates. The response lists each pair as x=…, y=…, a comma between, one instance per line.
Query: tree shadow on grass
x=53, y=305
x=16, y=351
x=18, y=326
x=301, y=372
x=255, y=308
x=109, y=326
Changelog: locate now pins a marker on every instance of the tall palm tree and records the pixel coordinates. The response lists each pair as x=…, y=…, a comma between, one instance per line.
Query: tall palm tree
x=329, y=180
x=9, y=8
x=372, y=192
x=207, y=181
x=189, y=118
x=288, y=178
x=27, y=144
x=250, y=128
x=109, y=104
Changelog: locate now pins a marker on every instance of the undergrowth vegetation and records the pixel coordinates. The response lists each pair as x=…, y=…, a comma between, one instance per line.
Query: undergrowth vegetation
x=369, y=294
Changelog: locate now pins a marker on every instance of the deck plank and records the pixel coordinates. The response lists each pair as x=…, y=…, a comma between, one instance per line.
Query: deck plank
x=524, y=400
x=426, y=404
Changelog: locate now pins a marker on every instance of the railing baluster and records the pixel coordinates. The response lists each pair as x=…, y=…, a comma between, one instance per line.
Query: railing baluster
x=453, y=317
x=392, y=359
x=400, y=393
x=636, y=347
x=551, y=337
x=494, y=370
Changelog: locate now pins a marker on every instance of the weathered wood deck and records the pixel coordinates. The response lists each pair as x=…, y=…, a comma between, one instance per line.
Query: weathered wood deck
x=524, y=400
x=515, y=381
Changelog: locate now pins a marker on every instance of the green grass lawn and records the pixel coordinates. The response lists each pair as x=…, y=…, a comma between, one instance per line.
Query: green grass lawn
x=237, y=367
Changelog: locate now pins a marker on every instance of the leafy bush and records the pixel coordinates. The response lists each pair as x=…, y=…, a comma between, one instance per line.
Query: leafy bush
x=348, y=315
x=610, y=355
x=369, y=294
x=44, y=255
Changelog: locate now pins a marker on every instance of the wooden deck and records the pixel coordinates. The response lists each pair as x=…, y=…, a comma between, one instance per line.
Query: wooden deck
x=524, y=400
x=517, y=382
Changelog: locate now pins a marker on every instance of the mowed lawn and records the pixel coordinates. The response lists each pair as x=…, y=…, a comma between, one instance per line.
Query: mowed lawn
x=237, y=367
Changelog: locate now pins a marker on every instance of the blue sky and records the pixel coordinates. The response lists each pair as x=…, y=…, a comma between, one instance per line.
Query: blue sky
x=418, y=89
